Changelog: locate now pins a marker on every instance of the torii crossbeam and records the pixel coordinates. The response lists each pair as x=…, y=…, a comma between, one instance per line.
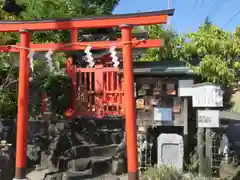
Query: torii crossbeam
x=125, y=22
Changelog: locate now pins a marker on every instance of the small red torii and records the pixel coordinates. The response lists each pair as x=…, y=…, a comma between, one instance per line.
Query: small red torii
x=125, y=22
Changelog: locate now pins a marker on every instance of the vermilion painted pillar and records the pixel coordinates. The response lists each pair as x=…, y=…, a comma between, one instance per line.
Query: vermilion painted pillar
x=130, y=110
x=22, y=117
x=74, y=39
x=74, y=35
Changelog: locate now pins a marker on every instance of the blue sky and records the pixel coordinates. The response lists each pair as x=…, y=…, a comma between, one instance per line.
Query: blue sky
x=189, y=14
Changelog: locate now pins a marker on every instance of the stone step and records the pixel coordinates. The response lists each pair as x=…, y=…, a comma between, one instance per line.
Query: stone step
x=98, y=165
x=107, y=150
x=82, y=151
x=80, y=176
x=102, y=165
x=83, y=175
x=93, y=178
x=108, y=123
x=109, y=136
x=85, y=151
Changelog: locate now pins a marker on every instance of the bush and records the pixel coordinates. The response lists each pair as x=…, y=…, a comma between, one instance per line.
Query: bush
x=169, y=173
x=162, y=173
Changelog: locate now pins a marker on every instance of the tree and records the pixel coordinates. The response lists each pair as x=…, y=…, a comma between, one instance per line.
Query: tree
x=210, y=51
x=170, y=41
x=66, y=8
x=46, y=9
x=213, y=53
x=8, y=70
x=8, y=85
x=207, y=21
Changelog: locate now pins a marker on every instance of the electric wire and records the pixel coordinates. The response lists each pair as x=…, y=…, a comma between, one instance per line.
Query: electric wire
x=201, y=5
x=232, y=18
x=215, y=8
x=193, y=9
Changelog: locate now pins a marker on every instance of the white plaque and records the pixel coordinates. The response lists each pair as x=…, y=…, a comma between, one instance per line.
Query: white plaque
x=135, y=89
x=162, y=114
x=208, y=118
x=170, y=150
x=207, y=96
x=185, y=87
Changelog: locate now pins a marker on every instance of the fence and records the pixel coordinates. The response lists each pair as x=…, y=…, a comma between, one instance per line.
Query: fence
x=145, y=147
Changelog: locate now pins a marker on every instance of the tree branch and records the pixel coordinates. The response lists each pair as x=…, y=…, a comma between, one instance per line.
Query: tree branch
x=8, y=80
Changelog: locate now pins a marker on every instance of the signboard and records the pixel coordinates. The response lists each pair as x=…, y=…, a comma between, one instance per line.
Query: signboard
x=163, y=114
x=140, y=104
x=171, y=89
x=146, y=86
x=135, y=90
x=208, y=118
x=185, y=87
x=207, y=96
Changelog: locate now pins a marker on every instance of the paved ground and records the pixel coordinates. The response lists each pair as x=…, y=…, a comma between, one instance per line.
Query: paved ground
x=111, y=177
x=121, y=177
x=124, y=177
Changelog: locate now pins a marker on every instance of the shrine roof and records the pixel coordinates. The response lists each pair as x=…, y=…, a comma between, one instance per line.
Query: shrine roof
x=162, y=67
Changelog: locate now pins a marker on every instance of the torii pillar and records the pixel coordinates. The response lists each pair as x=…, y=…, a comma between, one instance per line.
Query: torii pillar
x=23, y=96
x=129, y=105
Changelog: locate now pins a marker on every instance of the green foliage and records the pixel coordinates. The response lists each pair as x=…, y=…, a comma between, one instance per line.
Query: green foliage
x=165, y=172
x=7, y=38
x=8, y=106
x=162, y=173
x=213, y=54
x=66, y=8
x=36, y=94
x=8, y=85
x=170, y=42
x=58, y=89
x=207, y=21
x=46, y=9
x=56, y=84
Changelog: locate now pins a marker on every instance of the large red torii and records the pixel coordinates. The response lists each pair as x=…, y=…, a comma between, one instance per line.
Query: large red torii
x=125, y=22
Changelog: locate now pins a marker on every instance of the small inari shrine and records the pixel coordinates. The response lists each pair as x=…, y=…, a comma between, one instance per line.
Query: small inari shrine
x=105, y=84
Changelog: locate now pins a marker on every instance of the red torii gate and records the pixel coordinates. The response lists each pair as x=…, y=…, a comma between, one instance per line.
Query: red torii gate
x=125, y=22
